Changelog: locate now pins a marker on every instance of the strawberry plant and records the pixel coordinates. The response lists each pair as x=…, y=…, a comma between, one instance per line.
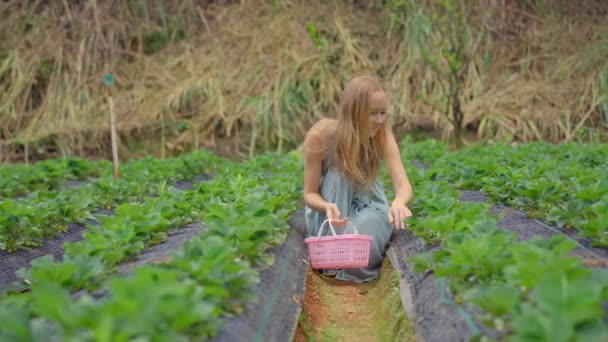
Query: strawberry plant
x=530, y=290
x=210, y=276
x=558, y=183
x=44, y=213
x=21, y=179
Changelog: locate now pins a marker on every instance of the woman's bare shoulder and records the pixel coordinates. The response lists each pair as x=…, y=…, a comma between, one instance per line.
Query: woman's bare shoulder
x=318, y=135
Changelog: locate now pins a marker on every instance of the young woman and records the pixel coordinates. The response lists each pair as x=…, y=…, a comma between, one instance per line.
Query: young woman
x=341, y=165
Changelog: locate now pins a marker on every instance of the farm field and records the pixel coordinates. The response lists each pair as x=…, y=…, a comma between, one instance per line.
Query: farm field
x=244, y=210
x=152, y=173
x=539, y=277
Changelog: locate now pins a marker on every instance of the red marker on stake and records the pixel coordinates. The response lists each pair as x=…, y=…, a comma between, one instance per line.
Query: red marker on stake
x=108, y=81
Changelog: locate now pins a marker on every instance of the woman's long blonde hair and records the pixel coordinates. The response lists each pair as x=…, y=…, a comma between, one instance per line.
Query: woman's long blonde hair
x=358, y=154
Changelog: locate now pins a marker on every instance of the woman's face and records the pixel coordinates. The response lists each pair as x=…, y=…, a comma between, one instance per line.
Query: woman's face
x=378, y=105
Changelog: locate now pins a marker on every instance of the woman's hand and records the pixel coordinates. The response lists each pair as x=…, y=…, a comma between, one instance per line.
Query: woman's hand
x=333, y=213
x=397, y=214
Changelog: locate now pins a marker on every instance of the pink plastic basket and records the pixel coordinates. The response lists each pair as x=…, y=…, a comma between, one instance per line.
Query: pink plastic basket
x=338, y=251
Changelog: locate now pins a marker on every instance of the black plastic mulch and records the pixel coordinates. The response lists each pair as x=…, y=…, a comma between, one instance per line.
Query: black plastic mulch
x=155, y=254
x=190, y=185
x=11, y=262
x=73, y=183
x=517, y=221
x=526, y=228
x=274, y=315
x=426, y=299
x=161, y=252
x=419, y=164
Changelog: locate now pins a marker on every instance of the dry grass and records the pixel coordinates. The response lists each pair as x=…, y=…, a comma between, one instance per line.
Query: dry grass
x=538, y=77
x=546, y=83
x=254, y=72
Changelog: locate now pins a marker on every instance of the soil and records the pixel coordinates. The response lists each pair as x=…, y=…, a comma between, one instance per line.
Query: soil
x=596, y=262
x=334, y=310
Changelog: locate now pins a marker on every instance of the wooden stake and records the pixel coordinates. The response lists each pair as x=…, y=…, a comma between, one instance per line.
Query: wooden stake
x=113, y=133
x=26, y=152
x=162, y=135
x=108, y=80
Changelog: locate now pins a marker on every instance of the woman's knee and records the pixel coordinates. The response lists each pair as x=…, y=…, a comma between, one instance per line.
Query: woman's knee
x=371, y=222
x=374, y=224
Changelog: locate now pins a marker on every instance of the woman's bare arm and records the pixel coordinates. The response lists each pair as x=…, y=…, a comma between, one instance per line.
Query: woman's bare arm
x=403, y=189
x=313, y=158
x=314, y=153
x=392, y=159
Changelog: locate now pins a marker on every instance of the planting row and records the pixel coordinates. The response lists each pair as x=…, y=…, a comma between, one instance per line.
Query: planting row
x=532, y=290
x=21, y=179
x=212, y=275
x=528, y=290
x=42, y=214
x=564, y=184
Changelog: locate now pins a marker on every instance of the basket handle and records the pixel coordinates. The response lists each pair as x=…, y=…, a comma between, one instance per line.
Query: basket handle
x=333, y=231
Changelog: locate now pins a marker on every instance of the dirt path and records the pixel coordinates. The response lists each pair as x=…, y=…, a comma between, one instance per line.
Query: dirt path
x=341, y=311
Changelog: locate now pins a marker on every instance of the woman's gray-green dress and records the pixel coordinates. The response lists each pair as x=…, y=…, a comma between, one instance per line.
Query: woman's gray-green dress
x=368, y=211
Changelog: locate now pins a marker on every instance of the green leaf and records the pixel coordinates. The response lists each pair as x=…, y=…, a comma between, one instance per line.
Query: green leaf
x=499, y=300
x=14, y=320
x=262, y=212
x=51, y=301
x=422, y=262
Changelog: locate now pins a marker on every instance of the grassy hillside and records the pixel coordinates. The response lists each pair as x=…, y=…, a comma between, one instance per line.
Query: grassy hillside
x=252, y=75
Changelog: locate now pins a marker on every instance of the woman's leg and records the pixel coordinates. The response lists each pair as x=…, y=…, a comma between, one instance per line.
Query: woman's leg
x=334, y=189
x=373, y=222
x=368, y=213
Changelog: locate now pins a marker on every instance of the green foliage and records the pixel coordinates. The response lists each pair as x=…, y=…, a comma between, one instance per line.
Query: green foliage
x=45, y=213
x=161, y=25
x=532, y=290
x=564, y=185
x=442, y=32
x=20, y=179
x=245, y=209
x=317, y=38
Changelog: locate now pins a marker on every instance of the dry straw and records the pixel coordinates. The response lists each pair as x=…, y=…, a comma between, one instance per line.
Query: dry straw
x=260, y=72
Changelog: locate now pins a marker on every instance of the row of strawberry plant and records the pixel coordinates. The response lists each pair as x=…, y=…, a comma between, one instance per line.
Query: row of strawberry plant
x=564, y=184
x=43, y=214
x=245, y=211
x=21, y=179
x=527, y=290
